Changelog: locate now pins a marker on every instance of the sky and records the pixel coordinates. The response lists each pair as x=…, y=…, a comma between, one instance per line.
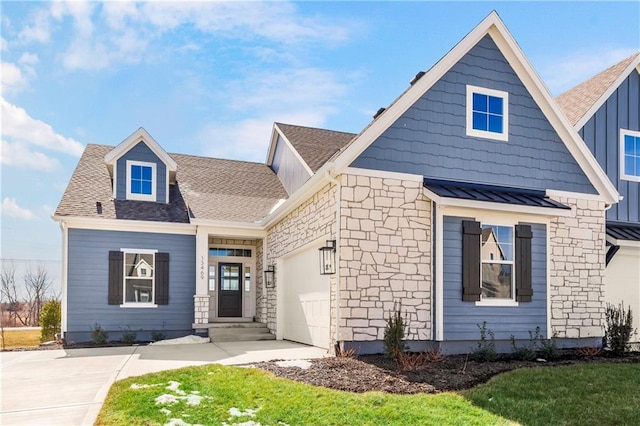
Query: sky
x=210, y=78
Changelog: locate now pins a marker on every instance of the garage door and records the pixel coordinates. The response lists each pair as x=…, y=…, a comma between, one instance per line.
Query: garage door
x=306, y=299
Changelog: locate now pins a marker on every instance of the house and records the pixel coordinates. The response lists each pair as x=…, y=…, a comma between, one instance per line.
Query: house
x=605, y=110
x=475, y=151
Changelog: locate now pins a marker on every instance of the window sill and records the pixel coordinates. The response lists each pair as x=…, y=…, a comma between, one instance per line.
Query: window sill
x=629, y=178
x=498, y=302
x=138, y=305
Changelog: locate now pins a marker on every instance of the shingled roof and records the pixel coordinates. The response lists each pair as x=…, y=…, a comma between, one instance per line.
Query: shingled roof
x=315, y=146
x=206, y=188
x=578, y=101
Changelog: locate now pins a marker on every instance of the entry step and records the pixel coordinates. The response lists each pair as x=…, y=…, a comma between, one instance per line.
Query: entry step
x=238, y=331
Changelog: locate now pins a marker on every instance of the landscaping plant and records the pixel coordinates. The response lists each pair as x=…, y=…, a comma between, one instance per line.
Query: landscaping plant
x=618, y=329
x=50, y=320
x=129, y=336
x=394, y=332
x=486, y=350
x=99, y=335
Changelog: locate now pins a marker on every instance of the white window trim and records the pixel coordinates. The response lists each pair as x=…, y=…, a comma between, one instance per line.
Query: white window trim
x=623, y=175
x=124, y=279
x=504, y=136
x=496, y=301
x=154, y=182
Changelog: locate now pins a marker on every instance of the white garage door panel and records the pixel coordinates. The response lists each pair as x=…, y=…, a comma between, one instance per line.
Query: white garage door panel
x=306, y=306
x=622, y=282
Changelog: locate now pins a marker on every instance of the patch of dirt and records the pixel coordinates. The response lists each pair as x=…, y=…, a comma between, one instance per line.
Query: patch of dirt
x=452, y=373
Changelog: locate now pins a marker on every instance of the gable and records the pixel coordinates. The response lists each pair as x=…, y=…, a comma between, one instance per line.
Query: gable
x=288, y=167
x=141, y=154
x=429, y=138
x=601, y=133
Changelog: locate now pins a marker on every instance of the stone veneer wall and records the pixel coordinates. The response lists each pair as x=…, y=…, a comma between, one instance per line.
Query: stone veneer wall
x=576, y=270
x=313, y=219
x=385, y=257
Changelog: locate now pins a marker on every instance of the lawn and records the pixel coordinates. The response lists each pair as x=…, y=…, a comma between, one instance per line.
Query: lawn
x=214, y=394
x=598, y=394
x=19, y=338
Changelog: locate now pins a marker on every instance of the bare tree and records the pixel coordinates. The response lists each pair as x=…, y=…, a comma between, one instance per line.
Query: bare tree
x=9, y=294
x=37, y=284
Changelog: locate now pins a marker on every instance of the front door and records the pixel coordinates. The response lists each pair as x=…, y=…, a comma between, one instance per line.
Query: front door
x=230, y=290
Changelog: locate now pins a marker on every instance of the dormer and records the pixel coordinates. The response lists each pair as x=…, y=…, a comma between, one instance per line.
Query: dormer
x=140, y=169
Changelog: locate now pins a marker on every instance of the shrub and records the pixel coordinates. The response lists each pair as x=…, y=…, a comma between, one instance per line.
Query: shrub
x=394, y=345
x=618, y=329
x=527, y=352
x=50, y=320
x=549, y=348
x=98, y=334
x=486, y=350
x=129, y=336
x=589, y=351
x=157, y=336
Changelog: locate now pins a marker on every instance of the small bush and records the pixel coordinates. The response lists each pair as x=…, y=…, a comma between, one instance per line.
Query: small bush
x=349, y=353
x=618, y=329
x=98, y=334
x=129, y=336
x=394, y=332
x=412, y=360
x=549, y=348
x=528, y=352
x=589, y=351
x=486, y=350
x=156, y=336
x=50, y=320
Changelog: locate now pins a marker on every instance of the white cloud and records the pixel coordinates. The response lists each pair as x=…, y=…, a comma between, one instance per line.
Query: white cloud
x=19, y=127
x=11, y=208
x=38, y=29
x=575, y=68
x=12, y=78
x=17, y=154
x=4, y=45
x=28, y=62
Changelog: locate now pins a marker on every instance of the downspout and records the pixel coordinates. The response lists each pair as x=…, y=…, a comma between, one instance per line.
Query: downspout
x=338, y=206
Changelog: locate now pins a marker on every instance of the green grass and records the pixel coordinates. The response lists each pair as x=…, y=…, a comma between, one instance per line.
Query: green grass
x=604, y=394
x=18, y=338
x=278, y=401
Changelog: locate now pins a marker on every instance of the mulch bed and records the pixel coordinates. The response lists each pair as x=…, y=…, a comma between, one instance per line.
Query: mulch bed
x=452, y=373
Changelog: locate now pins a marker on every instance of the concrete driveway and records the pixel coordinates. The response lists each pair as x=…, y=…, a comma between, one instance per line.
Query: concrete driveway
x=68, y=387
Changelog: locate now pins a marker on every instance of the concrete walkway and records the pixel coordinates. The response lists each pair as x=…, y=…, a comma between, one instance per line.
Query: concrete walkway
x=68, y=386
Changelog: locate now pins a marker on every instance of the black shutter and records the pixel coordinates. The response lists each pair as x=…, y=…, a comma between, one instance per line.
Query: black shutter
x=116, y=272
x=162, y=278
x=523, y=263
x=471, y=232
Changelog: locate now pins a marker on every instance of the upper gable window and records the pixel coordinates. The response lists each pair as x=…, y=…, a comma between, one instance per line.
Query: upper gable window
x=487, y=113
x=141, y=181
x=630, y=155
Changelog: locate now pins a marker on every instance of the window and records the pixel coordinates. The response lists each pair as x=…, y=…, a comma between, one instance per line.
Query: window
x=229, y=252
x=141, y=181
x=138, y=278
x=497, y=262
x=629, y=155
x=487, y=113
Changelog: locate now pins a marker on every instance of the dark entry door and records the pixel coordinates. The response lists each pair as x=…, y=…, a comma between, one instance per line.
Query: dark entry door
x=230, y=290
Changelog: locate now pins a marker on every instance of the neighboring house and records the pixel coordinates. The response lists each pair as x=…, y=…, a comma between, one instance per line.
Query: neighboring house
x=605, y=110
x=470, y=199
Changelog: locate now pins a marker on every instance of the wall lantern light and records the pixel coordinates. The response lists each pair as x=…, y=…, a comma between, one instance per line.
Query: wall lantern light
x=269, y=275
x=328, y=258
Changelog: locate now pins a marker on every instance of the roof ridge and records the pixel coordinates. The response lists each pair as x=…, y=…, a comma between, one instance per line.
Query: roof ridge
x=313, y=128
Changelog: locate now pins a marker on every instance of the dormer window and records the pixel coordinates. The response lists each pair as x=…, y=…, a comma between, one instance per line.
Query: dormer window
x=141, y=181
x=487, y=113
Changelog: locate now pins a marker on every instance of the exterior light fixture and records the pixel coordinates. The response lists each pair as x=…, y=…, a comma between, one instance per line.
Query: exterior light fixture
x=269, y=275
x=328, y=258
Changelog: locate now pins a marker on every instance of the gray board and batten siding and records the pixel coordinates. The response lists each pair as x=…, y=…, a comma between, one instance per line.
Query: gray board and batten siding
x=288, y=167
x=430, y=139
x=602, y=135
x=461, y=319
x=141, y=152
x=88, y=285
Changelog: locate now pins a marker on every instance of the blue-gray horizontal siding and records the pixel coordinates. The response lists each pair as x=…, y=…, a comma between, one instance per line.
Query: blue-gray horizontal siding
x=430, y=139
x=461, y=319
x=88, y=275
x=288, y=167
x=602, y=135
x=141, y=152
